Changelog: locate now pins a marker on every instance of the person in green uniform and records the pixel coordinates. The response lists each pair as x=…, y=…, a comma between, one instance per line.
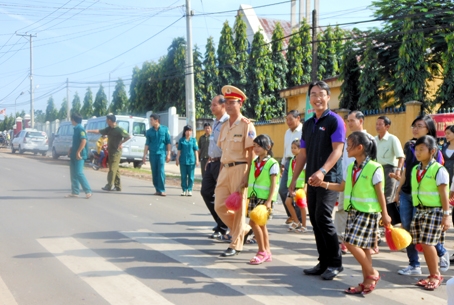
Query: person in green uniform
x=203, y=143
x=78, y=154
x=116, y=136
x=158, y=144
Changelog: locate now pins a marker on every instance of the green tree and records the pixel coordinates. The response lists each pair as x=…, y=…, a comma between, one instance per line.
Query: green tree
x=412, y=69
x=260, y=103
x=331, y=62
x=295, y=61
x=306, y=51
x=370, y=78
x=51, y=111
x=201, y=103
x=339, y=36
x=175, y=64
x=87, y=108
x=211, y=71
x=40, y=116
x=349, y=76
x=280, y=66
x=240, y=45
x=100, y=104
x=445, y=94
x=119, y=98
x=226, y=56
x=63, y=112
x=76, y=104
x=133, y=104
x=322, y=57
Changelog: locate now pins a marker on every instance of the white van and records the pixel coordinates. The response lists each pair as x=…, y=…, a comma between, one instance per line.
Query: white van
x=132, y=149
x=63, y=139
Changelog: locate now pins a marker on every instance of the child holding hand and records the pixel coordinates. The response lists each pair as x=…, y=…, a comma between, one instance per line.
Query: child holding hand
x=364, y=200
x=262, y=190
x=296, y=226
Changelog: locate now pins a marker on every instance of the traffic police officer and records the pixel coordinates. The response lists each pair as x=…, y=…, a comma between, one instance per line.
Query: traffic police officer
x=236, y=141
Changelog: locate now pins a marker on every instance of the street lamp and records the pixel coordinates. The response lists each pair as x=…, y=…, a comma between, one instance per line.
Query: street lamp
x=16, y=101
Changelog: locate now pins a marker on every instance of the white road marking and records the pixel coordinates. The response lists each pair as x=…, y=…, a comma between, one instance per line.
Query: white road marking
x=222, y=272
x=6, y=297
x=114, y=285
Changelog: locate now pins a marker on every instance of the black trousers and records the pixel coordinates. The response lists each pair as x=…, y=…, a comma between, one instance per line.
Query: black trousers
x=209, y=181
x=320, y=203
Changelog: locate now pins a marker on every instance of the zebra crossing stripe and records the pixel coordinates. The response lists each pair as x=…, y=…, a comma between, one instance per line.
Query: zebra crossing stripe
x=6, y=297
x=239, y=280
x=109, y=281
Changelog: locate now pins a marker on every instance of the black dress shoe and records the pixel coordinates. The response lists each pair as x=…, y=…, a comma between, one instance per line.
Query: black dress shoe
x=229, y=252
x=317, y=270
x=331, y=272
x=215, y=235
x=106, y=189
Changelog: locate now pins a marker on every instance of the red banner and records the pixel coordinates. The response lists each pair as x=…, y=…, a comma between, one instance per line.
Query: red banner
x=442, y=121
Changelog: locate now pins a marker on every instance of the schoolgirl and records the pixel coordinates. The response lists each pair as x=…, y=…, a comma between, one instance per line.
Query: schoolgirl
x=296, y=226
x=429, y=186
x=262, y=189
x=363, y=186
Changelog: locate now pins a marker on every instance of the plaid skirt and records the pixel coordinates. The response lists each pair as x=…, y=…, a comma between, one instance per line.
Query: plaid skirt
x=425, y=228
x=254, y=201
x=361, y=229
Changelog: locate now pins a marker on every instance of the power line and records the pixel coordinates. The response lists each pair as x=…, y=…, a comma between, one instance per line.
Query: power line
x=89, y=68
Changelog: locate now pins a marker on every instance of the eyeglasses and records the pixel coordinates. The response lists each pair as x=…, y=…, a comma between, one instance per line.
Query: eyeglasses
x=318, y=95
x=418, y=126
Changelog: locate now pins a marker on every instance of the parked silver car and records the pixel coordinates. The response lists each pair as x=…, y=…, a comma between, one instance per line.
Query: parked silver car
x=30, y=140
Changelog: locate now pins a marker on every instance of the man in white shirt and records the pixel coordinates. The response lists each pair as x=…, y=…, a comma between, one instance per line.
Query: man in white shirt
x=294, y=131
x=389, y=154
x=355, y=122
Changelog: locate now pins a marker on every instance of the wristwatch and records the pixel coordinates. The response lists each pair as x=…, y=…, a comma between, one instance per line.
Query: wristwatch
x=323, y=171
x=447, y=213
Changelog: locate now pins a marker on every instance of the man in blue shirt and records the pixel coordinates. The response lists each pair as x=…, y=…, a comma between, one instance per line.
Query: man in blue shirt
x=78, y=154
x=158, y=144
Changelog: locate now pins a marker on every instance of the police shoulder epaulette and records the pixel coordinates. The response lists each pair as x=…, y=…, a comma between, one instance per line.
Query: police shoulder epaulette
x=246, y=120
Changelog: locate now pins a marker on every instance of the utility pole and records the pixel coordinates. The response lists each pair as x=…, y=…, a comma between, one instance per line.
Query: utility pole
x=190, y=103
x=67, y=99
x=32, y=108
x=314, y=46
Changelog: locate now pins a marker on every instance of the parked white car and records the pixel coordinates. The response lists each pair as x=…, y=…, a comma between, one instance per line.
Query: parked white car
x=30, y=140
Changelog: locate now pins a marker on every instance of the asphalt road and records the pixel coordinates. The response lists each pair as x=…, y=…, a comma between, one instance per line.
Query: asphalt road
x=136, y=248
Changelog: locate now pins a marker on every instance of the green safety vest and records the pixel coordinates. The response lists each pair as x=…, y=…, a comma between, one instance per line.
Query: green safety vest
x=301, y=177
x=362, y=195
x=260, y=186
x=426, y=193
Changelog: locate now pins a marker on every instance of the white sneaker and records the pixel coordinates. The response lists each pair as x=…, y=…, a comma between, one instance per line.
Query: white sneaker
x=189, y=193
x=410, y=270
x=444, y=262
x=184, y=193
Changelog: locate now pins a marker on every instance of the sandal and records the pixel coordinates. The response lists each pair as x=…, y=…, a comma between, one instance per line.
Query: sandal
x=431, y=285
x=88, y=196
x=259, y=258
x=423, y=282
x=270, y=258
x=368, y=289
x=354, y=290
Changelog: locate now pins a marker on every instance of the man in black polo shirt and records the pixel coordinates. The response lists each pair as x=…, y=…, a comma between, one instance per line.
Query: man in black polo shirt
x=322, y=143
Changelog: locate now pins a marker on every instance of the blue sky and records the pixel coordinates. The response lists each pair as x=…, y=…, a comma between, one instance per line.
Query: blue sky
x=88, y=40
